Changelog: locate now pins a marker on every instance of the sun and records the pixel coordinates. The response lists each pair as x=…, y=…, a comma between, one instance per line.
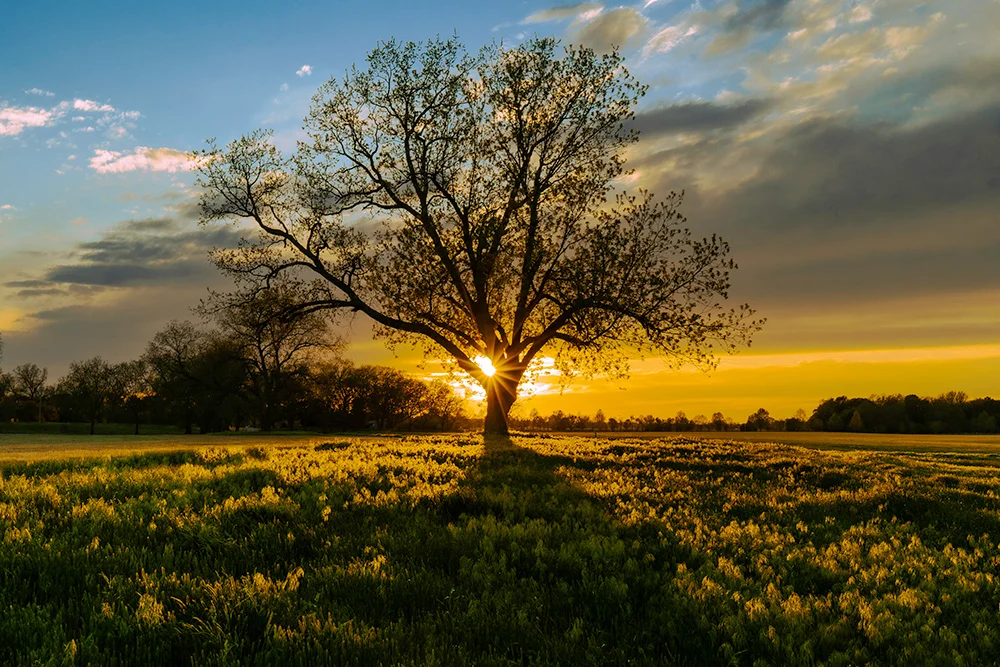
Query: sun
x=486, y=365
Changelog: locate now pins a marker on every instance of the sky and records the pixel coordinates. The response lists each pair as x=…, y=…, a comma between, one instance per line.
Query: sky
x=848, y=150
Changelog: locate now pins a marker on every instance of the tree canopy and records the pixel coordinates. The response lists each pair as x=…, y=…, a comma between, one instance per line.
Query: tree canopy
x=471, y=203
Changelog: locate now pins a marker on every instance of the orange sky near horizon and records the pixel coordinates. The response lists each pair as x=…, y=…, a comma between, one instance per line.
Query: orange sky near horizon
x=779, y=382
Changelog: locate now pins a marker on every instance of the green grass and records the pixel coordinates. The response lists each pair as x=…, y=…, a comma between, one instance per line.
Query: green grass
x=440, y=550
x=77, y=428
x=887, y=442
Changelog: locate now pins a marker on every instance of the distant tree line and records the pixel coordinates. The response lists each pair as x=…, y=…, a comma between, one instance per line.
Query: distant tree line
x=254, y=369
x=952, y=412
x=257, y=370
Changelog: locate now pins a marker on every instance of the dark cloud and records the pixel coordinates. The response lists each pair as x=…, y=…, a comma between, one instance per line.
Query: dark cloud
x=839, y=214
x=157, y=269
x=137, y=253
x=826, y=171
x=150, y=225
x=36, y=293
x=117, y=331
x=757, y=14
x=126, y=275
x=28, y=284
x=133, y=253
x=697, y=117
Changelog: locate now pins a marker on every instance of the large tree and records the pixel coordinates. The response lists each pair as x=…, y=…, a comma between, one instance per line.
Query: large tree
x=498, y=232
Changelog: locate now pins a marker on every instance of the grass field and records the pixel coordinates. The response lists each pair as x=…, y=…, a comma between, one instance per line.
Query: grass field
x=536, y=550
x=887, y=442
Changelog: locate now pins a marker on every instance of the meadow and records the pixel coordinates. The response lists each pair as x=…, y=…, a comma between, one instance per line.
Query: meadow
x=531, y=550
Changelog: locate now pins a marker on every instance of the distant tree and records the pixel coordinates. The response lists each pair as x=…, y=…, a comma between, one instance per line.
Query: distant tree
x=276, y=338
x=93, y=384
x=172, y=356
x=29, y=384
x=719, y=421
x=133, y=382
x=442, y=408
x=856, y=424
x=491, y=174
x=985, y=423
x=760, y=421
x=600, y=422
x=835, y=423
x=6, y=383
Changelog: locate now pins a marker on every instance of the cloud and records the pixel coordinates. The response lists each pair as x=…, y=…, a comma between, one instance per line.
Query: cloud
x=618, y=27
x=668, y=38
x=134, y=253
x=305, y=70
x=564, y=12
x=115, y=292
x=39, y=91
x=697, y=116
x=836, y=213
x=8, y=207
x=14, y=120
x=143, y=159
x=90, y=106
x=29, y=284
x=757, y=14
x=283, y=87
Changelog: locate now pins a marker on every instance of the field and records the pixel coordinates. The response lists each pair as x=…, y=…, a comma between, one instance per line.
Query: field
x=536, y=550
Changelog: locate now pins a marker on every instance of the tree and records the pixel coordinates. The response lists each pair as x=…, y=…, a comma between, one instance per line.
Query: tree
x=6, y=381
x=199, y=375
x=760, y=421
x=29, y=384
x=856, y=424
x=133, y=383
x=93, y=384
x=171, y=356
x=274, y=338
x=491, y=177
x=985, y=423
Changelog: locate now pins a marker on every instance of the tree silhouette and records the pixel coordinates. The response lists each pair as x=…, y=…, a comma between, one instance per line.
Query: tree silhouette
x=94, y=384
x=497, y=230
x=274, y=340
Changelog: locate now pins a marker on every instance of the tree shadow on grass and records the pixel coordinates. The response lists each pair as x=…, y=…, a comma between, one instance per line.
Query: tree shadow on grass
x=536, y=571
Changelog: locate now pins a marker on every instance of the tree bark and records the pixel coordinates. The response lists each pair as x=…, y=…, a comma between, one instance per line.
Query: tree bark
x=501, y=392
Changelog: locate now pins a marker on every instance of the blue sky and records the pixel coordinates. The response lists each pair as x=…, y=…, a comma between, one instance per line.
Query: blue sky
x=848, y=149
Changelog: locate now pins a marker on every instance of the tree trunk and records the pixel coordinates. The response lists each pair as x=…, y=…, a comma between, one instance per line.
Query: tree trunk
x=93, y=422
x=501, y=392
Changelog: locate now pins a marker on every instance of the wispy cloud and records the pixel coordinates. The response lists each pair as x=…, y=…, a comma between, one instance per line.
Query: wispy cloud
x=13, y=120
x=91, y=105
x=585, y=10
x=305, y=70
x=142, y=159
x=669, y=38
x=39, y=91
